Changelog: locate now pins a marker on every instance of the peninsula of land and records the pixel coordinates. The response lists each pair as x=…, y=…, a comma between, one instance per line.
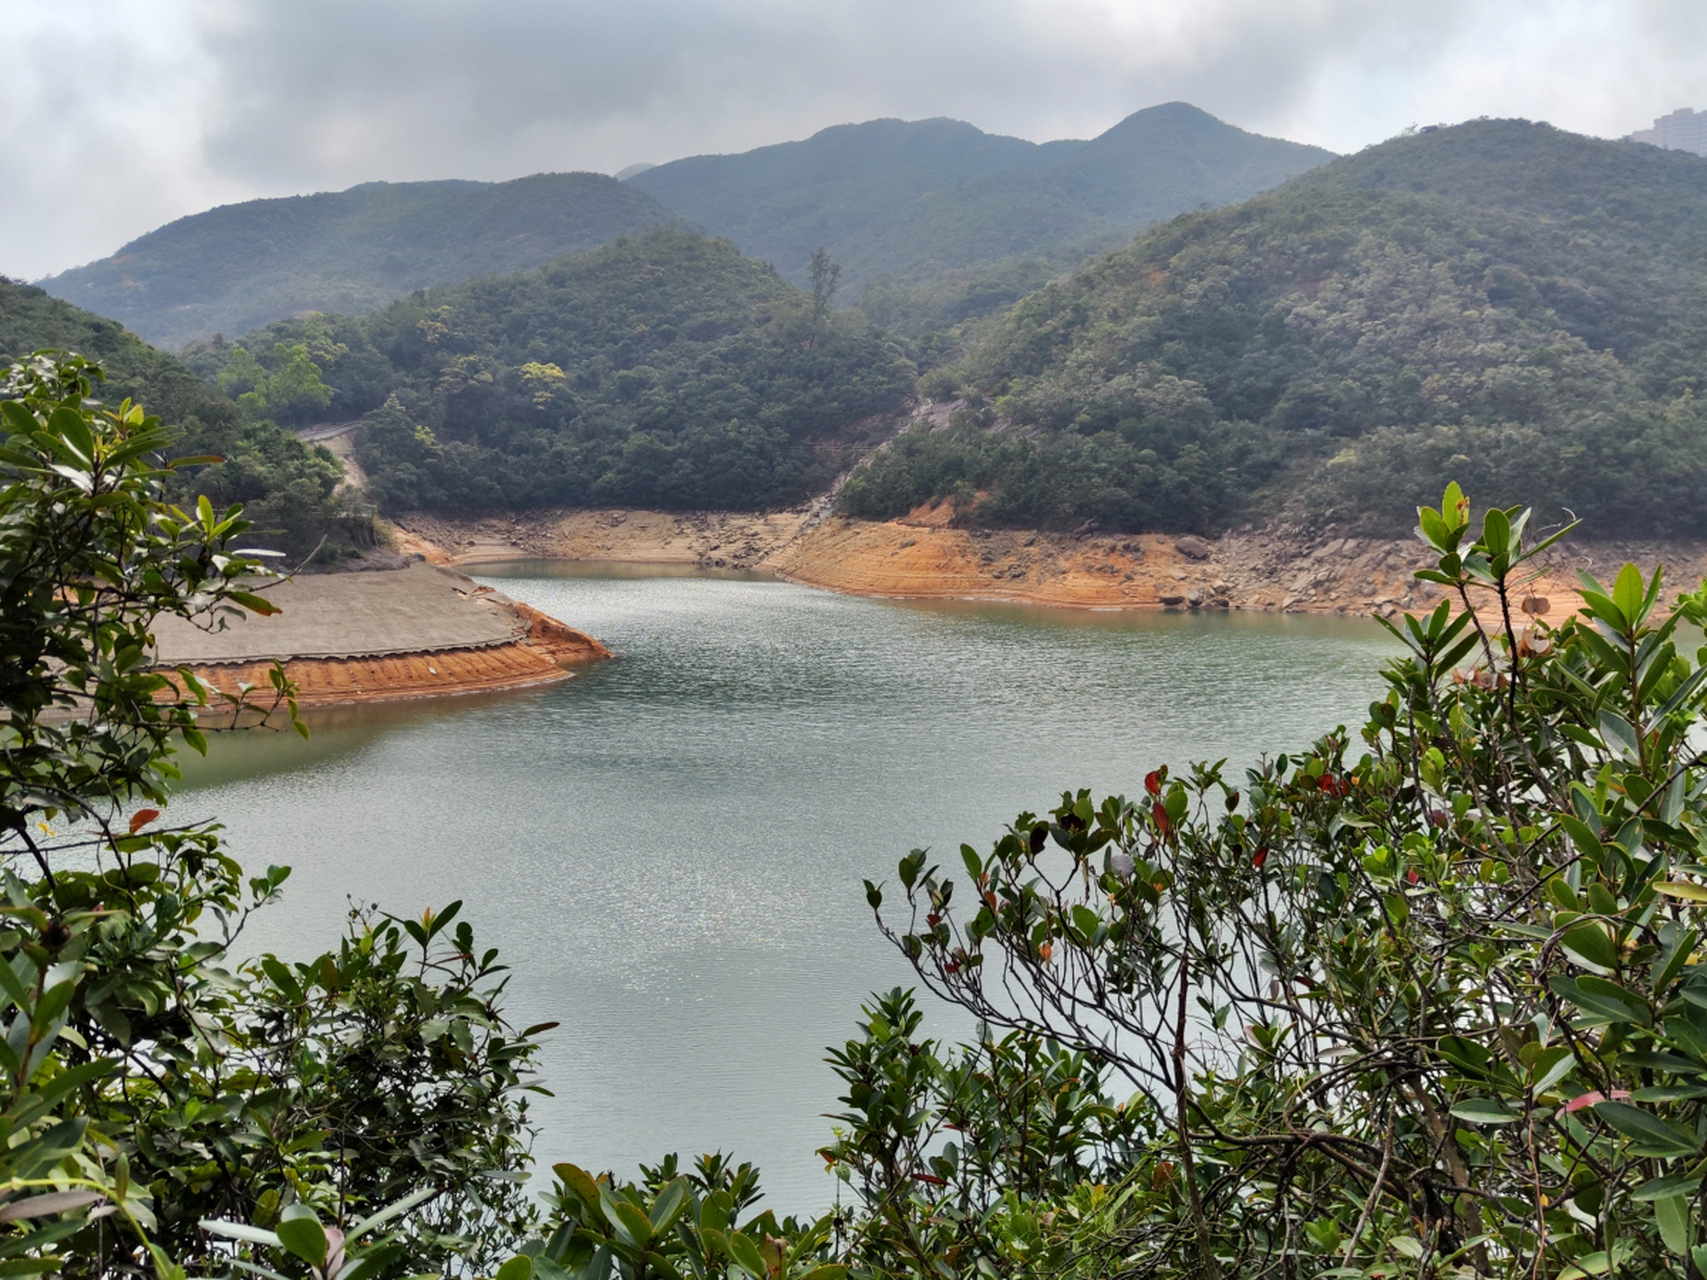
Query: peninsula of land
x=413, y=631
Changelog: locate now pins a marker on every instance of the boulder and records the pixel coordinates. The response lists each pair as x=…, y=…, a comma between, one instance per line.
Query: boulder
x=1192, y=548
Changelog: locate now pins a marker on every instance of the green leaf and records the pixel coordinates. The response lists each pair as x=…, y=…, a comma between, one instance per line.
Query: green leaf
x=240, y=1231
x=1550, y=1067
x=1496, y=532
x=282, y=978
x=519, y=1267
x=746, y=1255
x=1469, y=1057
x=1618, y=734
x=631, y=1225
x=1684, y=889
x=1485, y=1111
x=668, y=1206
x=1602, y=999
x=300, y=1232
x=254, y=603
x=1589, y=944
x=579, y=1181
x=52, y=1202
x=391, y=1211
x=1676, y=1228
x=1627, y=593
x=1649, y=1135
x=1672, y=1184
x=1432, y=528
x=1590, y=1264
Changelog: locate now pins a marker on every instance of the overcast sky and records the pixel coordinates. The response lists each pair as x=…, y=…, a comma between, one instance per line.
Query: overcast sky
x=124, y=114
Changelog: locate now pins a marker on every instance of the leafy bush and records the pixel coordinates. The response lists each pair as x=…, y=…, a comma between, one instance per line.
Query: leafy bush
x=1422, y=1001
x=142, y=1077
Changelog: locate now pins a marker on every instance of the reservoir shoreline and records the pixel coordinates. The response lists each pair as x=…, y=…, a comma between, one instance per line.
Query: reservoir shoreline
x=923, y=556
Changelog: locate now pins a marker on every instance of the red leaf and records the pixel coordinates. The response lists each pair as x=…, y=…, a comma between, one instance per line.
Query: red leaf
x=1411, y=876
x=1153, y=782
x=141, y=818
x=1262, y=857
x=1592, y=1098
x=1159, y=812
x=930, y=1178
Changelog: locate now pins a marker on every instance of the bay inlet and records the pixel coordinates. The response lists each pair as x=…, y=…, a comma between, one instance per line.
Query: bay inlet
x=668, y=849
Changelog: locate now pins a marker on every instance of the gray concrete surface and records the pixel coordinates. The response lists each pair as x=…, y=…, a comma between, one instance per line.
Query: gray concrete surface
x=350, y=615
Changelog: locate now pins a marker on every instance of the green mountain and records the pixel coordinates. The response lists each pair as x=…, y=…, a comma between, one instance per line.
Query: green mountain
x=242, y=265
x=286, y=487
x=1501, y=303
x=919, y=200
x=664, y=370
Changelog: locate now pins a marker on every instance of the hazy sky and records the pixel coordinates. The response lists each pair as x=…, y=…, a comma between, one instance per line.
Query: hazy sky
x=124, y=114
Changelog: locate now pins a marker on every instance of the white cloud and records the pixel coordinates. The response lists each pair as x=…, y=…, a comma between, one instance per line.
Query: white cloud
x=126, y=113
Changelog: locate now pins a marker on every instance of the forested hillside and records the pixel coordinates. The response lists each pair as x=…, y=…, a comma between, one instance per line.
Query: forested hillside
x=286, y=486
x=242, y=265
x=1519, y=308
x=918, y=201
x=664, y=371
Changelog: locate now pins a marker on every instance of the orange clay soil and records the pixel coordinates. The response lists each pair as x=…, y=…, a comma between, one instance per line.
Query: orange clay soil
x=543, y=656
x=923, y=556
x=716, y=539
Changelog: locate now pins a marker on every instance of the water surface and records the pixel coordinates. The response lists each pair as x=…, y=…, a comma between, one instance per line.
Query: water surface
x=669, y=848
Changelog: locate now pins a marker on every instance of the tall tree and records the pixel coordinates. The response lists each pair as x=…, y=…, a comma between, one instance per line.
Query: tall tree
x=824, y=275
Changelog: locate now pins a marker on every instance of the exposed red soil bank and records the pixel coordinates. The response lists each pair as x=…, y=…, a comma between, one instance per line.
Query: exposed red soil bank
x=923, y=556
x=356, y=638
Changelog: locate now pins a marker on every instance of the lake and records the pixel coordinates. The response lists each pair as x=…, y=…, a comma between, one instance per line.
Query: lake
x=669, y=848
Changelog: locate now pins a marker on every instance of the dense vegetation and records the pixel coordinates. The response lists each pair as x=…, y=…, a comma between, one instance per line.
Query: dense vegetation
x=664, y=371
x=242, y=265
x=287, y=487
x=1499, y=300
x=147, y=1067
x=920, y=202
x=1420, y=1002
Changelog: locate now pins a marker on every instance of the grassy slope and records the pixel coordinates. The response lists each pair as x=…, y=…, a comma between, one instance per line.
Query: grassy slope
x=239, y=266
x=1503, y=303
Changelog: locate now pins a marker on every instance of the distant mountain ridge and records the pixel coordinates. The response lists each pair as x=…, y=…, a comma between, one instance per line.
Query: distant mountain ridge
x=917, y=199
x=914, y=201
x=240, y=266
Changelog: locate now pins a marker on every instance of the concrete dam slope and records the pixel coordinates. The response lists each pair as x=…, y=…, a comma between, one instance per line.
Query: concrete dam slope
x=413, y=632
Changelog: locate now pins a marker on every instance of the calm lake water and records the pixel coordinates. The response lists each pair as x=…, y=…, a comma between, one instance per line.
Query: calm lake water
x=669, y=848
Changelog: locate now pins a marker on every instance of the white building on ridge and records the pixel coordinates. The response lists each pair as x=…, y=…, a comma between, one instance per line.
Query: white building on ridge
x=1683, y=130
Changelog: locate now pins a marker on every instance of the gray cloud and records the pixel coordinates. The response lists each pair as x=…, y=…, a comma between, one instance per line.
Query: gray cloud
x=136, y=111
